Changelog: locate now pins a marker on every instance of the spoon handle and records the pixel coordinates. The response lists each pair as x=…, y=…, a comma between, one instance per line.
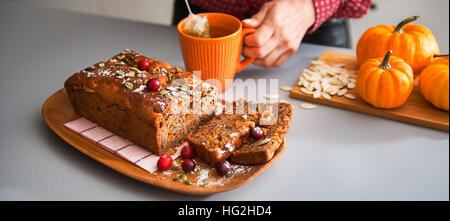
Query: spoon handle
x=188, y=7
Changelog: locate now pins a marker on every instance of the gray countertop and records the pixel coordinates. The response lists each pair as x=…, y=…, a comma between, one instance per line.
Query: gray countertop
x=331, y=154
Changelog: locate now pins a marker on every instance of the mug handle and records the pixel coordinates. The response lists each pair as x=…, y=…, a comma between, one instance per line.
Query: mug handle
x=241, y=65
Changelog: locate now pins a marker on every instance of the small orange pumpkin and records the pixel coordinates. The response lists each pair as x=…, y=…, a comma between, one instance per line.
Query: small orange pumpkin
x=385, y=82
x=413, y=43
x=433, y=83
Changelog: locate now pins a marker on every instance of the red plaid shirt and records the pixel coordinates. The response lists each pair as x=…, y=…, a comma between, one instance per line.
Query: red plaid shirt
x=325, y=9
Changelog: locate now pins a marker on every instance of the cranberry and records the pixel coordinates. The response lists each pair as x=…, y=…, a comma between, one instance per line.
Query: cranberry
x=223, y=167
x=256, y=132
x=164, y=162
x=188, y=165
x=153, y=84
x=143, y=64
x=188, y=152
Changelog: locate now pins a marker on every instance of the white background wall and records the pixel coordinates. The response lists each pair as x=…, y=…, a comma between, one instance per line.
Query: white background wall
x=154, y=11
x=435, y=13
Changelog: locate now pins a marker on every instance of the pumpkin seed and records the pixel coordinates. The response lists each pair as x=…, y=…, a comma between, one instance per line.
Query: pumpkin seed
x=105, y=72
x=171, y=88
x=206, y=183
x=265, y=141
x=351, y=85
x=303, y=81
x=286, y=88
x=312, y=78
x=326, y=96
x=120, y=57
x=272, y=96
x=168, y=96
x=339, y=65
x=183, y=177
x=317, y=62
x=174, y=167
x=333, y=91
x=129, y=85
x=177, y=179
x=229, y=175
x=135, y=69
x=317, y=94
x=350, y=96
x=342, y=92
x=307, y=106
x=317, y=86
x=306, y=91
x=163, y=92
x=120, y=73
x=335, y=82
x=187, y=182
x=343, y=79
x=325, y=84
x=130, y=74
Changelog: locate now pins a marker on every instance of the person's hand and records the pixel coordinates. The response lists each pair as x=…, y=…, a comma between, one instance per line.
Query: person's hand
x=280, y=27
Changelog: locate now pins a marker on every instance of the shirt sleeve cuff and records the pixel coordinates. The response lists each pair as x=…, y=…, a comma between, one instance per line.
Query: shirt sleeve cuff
x=320, y=18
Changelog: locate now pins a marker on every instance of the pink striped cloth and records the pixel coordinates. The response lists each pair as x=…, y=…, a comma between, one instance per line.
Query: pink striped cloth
x=121, y=147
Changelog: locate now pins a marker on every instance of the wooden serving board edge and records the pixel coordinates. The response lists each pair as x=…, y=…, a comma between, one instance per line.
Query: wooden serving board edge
x=370, y=111
x=128, y=169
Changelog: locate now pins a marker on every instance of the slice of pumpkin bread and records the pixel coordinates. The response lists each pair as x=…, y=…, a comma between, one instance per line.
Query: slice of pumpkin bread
x=257, y=151
x=227, y=134
x=218, y=138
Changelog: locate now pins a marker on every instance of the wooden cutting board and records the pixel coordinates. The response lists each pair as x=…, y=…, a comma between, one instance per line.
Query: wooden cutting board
x=416, y=110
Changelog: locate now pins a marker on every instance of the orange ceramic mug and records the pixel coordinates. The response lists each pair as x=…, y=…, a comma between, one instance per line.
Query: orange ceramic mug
x=218, y=57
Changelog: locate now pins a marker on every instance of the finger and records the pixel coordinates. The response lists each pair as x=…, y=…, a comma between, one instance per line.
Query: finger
x=261, y=52
x=291, y=49
x=257, y=18
x=271, y=58
x=261, y=36
x=250, y=23
x=264, y=29
x=284, y=57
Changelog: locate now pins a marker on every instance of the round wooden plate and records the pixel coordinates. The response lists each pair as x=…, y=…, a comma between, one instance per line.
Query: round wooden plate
x=57, y=110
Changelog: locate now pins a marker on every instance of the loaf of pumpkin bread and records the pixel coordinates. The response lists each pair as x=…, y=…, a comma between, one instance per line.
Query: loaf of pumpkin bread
x=113, y=93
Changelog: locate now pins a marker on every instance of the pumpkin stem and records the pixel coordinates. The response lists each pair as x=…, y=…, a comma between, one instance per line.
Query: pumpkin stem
x=385, y=64
x=440, y=55
x=404, y=22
